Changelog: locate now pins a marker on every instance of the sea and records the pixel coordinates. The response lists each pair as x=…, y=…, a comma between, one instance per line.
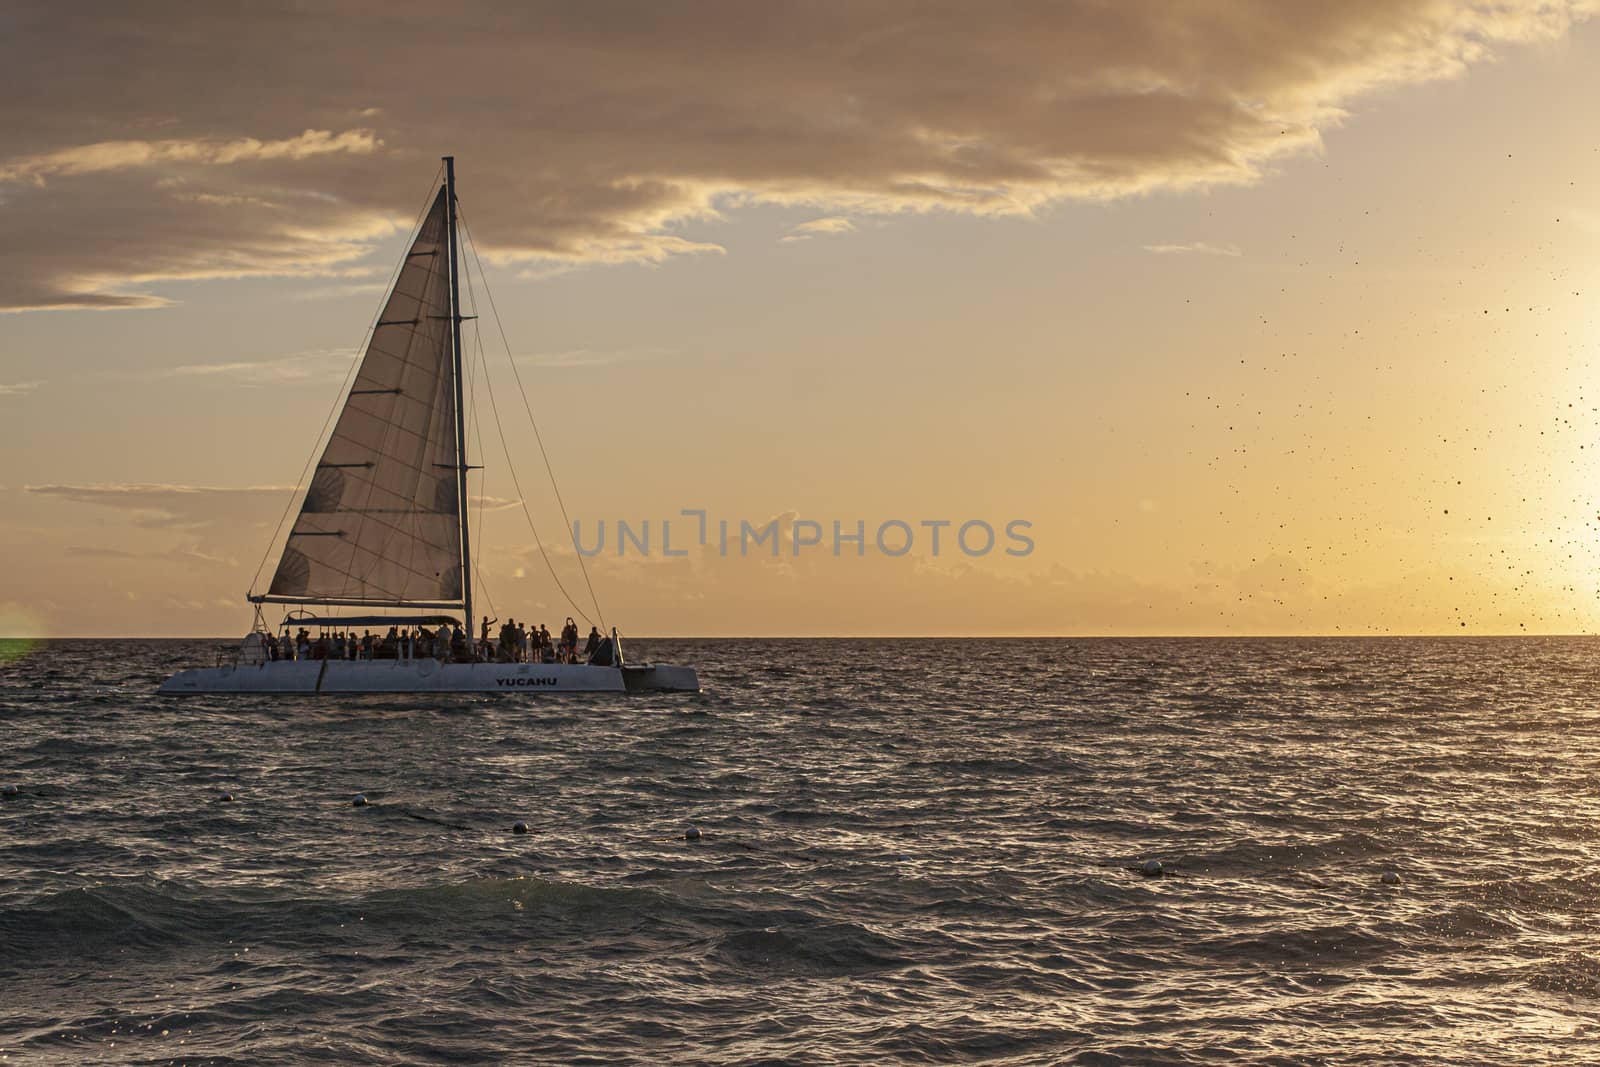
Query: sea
x=1370, y=851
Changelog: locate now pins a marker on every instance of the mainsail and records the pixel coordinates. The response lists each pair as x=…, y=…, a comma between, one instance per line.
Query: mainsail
x=381, y=520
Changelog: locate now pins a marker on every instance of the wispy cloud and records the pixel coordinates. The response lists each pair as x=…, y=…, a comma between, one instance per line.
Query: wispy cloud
x=19, y=388
x=189, y=554
x=492, y=503
x=161, y=506
x=318, y=364
x=819, y=227
x=590, y=357
x=123, y=155
x=339, y=292
x=1200, y=248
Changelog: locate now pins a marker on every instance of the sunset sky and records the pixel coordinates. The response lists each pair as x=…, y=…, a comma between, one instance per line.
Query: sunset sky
x=1270, y=318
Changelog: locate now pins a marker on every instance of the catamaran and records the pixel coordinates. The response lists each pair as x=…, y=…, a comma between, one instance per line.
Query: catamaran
x=383, y=526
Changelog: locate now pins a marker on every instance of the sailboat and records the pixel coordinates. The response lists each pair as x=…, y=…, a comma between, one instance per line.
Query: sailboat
x=383, y=530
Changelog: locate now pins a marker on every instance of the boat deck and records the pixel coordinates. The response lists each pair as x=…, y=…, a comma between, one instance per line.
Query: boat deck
x=428, y=676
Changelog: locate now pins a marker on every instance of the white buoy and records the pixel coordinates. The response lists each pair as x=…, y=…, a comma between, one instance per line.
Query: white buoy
x=360, y=801
x=1151, y=868
x=1390, y=878
x=8, y=790
x=519, y=827
x=692, y=834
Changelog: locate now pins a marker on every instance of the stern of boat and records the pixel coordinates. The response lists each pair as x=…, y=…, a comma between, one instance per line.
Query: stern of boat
x=660, y=678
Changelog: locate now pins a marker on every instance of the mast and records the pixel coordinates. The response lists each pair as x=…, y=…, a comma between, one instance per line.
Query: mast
x=461, y=408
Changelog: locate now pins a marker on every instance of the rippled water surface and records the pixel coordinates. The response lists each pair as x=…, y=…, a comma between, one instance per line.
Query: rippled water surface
x=912, y=851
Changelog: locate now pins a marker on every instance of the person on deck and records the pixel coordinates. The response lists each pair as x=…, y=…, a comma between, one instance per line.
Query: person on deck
x=592, y=643
x=483, y=636
x=569, y=640
x=522, y=643
x=286, y=646
x=547, y=648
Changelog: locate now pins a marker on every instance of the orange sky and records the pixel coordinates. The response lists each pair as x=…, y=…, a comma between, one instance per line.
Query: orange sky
x=1269, y=318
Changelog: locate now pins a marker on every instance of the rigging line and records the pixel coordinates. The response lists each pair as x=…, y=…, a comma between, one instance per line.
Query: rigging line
x=537, y=436
x=361, y=348
x=511, y=466
x=483, y=501
x=469, y=397
x=522, y=499
x=474, y=368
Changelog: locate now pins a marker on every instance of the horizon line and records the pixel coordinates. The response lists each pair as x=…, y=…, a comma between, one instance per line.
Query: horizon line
x=918, y=637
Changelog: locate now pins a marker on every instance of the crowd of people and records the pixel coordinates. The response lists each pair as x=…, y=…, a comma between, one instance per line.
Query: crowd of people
x=515, y=642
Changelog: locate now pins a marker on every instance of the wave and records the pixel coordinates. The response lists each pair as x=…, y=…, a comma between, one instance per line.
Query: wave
x=158, y=913
x=1573, y=975
x=1327, y=946
x=819, y=949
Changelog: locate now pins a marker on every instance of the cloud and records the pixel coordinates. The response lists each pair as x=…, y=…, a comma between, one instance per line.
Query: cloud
x=88, y=552
x=816, y=227
x=191, y=507
x=589, y=357
x=125, y=155
x=491, y=503
x=339, y=292
x=1203, y=248
x=187, y=555
x=604, y=133
x=315, y=365
x=19, y=388
x=157, y=506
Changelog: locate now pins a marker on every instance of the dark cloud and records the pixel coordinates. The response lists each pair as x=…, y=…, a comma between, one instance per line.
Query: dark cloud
x=158, y=141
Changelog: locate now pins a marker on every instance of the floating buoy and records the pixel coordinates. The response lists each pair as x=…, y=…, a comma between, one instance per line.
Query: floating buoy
x=226, y=797
x=1152, y=869
x=692, y=834
x=1390, y=878
x=360, y=801
x=8, y=790
x=519, y=827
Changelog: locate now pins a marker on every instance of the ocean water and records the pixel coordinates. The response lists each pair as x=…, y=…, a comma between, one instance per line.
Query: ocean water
x=912, y=851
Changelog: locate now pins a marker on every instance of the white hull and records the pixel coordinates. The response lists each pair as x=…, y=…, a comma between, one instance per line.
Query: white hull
x=428, y=676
